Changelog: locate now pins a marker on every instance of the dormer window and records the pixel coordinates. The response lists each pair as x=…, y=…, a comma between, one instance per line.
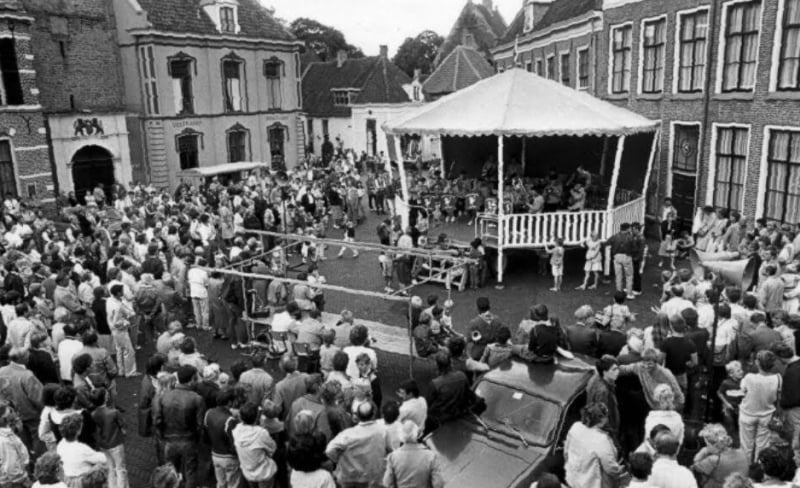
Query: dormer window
x=344, y=98
x=528, y=17
x=227, y=20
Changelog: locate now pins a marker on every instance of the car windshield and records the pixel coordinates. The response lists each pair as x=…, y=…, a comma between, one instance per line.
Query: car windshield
x=534, y=417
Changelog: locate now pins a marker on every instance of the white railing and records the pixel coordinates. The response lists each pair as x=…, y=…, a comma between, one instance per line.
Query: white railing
x=630, y=212
x=535, y=230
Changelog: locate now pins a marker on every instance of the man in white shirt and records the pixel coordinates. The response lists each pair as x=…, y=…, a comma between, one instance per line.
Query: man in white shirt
x=667, y=473
x=414, y=406
x=677, y=304
x=198, y=281
x=67, y=350
x=19, y=329
x=286, y=320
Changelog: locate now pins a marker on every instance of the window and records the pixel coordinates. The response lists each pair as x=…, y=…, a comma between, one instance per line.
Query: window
x=528, y=66
x=232, y=84
x=417, y=93
x=237, y=144
x=11, y=89
x=539, y=68
x=227, y=20
x=8, y=181
x=583, y=69
x=149, y=79
x=343, y=98
x=789, y=62
x=782, y=202
x=564, y=69
x=684, y=149
x=181, y=72
x=621, y=59
x=741, y=46
x=273, y=69
x=528, y=17
x=692, y=40
x=551, y=68
x=731, y=161
x=654, y=38
x=188, y=150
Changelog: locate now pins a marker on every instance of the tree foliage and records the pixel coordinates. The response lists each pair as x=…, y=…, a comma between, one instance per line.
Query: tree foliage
x=418, y=52
x=323, y=39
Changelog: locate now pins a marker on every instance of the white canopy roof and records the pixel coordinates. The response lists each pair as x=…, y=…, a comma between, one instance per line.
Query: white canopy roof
x=220, y=169
x=519, y=103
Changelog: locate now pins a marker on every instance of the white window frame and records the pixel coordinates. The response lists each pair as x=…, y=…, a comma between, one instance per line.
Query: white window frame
x=777, y=47
x=528, y=22
x=578, y=51
x=147, y=66
x=547, y=67
x=671, y=151
x=561, y=55
x=640, y=64
x=720, y=61
x=712, y=169
x=763, y=172
x=676, y=65
x=242, y=86
x=610, y=81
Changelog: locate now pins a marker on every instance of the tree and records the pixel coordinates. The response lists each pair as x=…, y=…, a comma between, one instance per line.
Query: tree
x=418, y=52
x=324, y=40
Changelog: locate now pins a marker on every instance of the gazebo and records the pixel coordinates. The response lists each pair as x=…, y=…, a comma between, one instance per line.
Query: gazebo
x=548, y=125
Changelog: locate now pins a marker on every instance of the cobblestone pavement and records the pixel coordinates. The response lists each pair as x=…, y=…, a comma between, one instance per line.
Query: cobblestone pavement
x=523, y=288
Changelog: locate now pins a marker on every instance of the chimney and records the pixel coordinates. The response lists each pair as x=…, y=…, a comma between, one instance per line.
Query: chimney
x=384, y=51
x=341, y=57
x=417, y=74
x=488, y=4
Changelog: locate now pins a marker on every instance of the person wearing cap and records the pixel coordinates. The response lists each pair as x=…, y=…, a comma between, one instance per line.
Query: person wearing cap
x=482, y=329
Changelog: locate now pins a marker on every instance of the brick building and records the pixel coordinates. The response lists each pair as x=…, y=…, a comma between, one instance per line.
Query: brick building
x=81, y=90
x=215, y=81
x=25, y=168
x=723, y=76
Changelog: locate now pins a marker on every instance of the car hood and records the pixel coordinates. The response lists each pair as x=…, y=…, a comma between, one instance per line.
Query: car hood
x=471, y=459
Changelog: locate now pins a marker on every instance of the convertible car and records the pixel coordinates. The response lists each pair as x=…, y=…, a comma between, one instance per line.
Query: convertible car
x=529, y=408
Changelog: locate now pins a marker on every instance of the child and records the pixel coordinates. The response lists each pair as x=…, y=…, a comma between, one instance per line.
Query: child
x=684, y=245
x=730, y=393
x=667, y=249
x=327, y=351
x=618, y=313
x=594, y=261
x=556, y=262
x=496, y=353
x=110, y=436
x=437, y=213
x=367, y=380
x=641, y=465
x=386, y=265
x=13, y=469
x=349, y=236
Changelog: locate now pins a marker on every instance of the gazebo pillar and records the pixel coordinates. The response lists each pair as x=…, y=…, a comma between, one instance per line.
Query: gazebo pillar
x=651, y=161
x=500, y=211
x=611, y=198
x=403, y=207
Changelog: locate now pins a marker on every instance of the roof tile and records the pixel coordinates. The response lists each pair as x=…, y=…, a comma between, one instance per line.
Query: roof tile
x=462, y=67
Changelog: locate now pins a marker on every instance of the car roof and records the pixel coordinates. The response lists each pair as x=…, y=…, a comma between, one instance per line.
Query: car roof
x=560, y=382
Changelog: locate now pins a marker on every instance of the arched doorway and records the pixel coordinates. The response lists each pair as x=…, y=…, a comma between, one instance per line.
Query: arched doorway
x=92, y=165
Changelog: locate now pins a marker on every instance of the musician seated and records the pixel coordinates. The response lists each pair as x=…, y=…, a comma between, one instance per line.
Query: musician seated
x=425, y=341
x=577, y=198
x=537, y=202
x=553, y=193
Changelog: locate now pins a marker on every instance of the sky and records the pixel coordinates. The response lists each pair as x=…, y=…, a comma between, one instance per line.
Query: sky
x=369, y=23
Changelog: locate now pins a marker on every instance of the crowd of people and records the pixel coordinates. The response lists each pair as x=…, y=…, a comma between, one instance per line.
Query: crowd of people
x=120, y=269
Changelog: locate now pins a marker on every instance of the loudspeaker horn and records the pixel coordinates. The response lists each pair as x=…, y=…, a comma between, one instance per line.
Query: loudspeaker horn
x=697, y=258
x=740, y=273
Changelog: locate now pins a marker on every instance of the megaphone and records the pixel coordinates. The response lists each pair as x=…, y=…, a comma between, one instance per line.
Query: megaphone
x=740, y=273
x=698, y=258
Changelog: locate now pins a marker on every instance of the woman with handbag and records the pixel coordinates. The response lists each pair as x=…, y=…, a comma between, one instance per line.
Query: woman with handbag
x=761, y=392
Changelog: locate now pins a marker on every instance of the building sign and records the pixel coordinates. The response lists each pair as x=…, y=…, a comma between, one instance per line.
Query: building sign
x=180, y=124
x=88, y=127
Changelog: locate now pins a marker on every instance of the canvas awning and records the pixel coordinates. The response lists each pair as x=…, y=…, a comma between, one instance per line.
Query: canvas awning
x=519, y=103
x=221, y=169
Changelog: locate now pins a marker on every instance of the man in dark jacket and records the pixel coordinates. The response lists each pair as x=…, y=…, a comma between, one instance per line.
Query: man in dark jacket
x=219, y=423
x=152, y=263
x=450, y=394
x=178, y=417
x=482, y=329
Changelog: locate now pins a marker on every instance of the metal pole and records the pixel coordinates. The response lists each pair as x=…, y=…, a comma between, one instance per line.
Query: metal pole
x=500, y=211
x=401, y=168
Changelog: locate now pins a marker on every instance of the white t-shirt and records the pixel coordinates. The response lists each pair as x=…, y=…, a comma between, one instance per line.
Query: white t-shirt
x=78, y=458
x=315, y=479
x=198, y=279
x=281, y=322
x=353, y=352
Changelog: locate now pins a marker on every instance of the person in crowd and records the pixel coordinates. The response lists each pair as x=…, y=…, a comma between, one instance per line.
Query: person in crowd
x=78, y=459
x=761, y=392
x=413, y=407
x=602, y=389
x=714, y=463
x=119, y=314
x=360, y=451
x=307, y=468
x=255, y=448
x=110, y=437
x=590, y=456
x=257, y=380
x=666, y=472
x=15, y=456
x=40, y=359
x=218, y=425
x=790, y=391
x=652, y=374
x=291, y=387
x=680, y=353
x=412, y=465
x=640, y=465
x=664, y=413
x=582, y=337
x=482, y=329
x=178, y=418
x=48, y=471
x=24, y=391
x=450, y=393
